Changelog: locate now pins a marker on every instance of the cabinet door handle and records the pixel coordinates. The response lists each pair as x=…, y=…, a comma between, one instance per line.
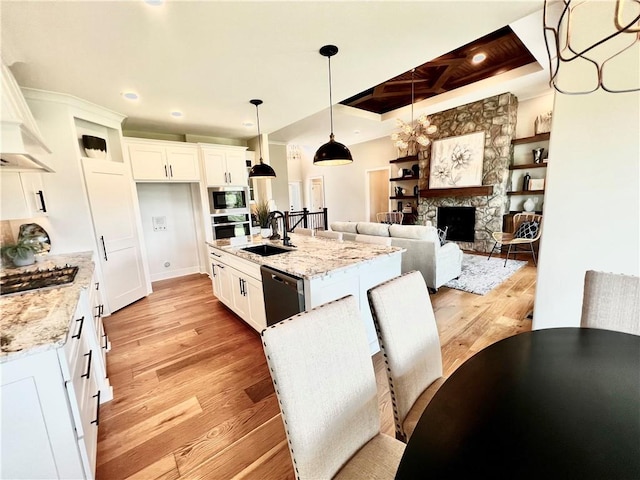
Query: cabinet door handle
x=97, y=285
x=106, y=341
x=81, y=320
x=97, y=308
x=86, y=375
x=216, y=255
x=170, y=171
x=213, y=269
x=165, y=171
x=41, y=195
x=230, y=178
x=241, y=289
x=244, y=283
x=101, y=310
x=104, y=248
x=96, y=422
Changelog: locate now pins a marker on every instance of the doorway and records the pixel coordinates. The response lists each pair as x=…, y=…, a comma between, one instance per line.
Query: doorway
x=316, y=193
x=295, y=197
x=377, y=181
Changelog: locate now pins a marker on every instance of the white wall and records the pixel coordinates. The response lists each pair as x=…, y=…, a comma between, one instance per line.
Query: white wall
x=280, y=184
x=345, y=195
x=592, y=201
x=177, y=244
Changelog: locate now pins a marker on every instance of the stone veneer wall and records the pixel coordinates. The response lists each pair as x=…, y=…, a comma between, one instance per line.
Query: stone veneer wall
x=496, y=116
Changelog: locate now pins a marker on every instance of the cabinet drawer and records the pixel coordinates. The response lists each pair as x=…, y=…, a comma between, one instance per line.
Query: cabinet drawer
x=71, y=349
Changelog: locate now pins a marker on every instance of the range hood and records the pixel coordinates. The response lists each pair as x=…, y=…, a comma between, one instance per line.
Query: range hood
x=21, y=146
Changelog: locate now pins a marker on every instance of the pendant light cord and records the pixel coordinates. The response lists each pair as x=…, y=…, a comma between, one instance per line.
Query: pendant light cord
x=259, y=135
x=330, y=99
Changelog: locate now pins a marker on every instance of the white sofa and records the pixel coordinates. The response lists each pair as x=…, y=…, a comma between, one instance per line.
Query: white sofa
x=438, y=264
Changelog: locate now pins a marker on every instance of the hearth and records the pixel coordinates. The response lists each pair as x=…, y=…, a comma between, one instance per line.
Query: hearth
x=460, y=221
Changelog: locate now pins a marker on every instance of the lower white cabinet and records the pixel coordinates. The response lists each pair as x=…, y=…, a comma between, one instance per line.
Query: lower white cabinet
x=237, y=283
x=51, y=406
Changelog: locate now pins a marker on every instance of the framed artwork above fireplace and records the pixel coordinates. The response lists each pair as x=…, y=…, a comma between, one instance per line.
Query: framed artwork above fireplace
x=457, y=161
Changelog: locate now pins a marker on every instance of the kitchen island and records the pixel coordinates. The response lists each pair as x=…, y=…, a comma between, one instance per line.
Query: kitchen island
x=329, y=269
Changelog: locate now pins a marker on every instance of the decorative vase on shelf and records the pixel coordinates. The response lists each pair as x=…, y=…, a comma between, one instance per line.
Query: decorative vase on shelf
x=530, y=204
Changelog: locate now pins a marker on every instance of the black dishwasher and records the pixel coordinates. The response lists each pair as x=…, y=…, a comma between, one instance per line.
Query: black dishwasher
x=283, y=294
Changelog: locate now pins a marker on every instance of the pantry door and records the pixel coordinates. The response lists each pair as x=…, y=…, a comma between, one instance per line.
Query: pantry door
x=111, y=200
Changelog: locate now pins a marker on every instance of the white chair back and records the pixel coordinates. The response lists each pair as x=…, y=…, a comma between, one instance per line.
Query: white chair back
x=611, y=301
x=325, y=383
x=329, y=234
x=409, y=340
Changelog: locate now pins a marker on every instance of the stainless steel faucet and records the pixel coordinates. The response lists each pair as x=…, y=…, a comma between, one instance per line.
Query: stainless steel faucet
x=273, y=219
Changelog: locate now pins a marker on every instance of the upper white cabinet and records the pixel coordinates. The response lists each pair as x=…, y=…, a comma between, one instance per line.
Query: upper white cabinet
x=23, y=147
x=162, y=161
x=224, y=165
x=21, y=195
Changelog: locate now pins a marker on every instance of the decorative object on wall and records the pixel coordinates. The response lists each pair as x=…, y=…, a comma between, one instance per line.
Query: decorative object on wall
x=33, y=234
x=457, y=161
x=411, y=137
x=537, y=154
x=261, y=169
x=332, y=152
x=620, y=32
x=543, y=123
x=95, y=147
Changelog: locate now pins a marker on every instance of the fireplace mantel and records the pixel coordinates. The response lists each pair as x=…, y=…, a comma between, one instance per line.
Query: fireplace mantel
x=457, y=192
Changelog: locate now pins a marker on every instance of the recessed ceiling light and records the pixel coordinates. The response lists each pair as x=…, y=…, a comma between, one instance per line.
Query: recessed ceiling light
x=130, y=95
x=176, y=113
x=479, y=58
x=356, y=132
x=155, y=3
x=247, y=124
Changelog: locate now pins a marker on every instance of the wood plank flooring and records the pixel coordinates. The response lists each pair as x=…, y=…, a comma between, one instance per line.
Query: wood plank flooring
x=193, y=397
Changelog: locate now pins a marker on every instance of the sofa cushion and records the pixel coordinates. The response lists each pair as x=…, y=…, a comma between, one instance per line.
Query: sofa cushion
x=414, y=232
x=349, y=227
x=371, y=228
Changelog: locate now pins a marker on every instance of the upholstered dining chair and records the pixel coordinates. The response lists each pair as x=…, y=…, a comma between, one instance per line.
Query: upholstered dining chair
x=527, y=228
x=304, y=231
x=389, y=217
x=611, y=301
x=373, y=239
x=408, y=337
x=323, y=375
x=329, y=234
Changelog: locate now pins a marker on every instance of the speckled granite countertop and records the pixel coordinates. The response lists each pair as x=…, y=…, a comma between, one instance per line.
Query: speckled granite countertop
x=39, y=320
x=312, y=257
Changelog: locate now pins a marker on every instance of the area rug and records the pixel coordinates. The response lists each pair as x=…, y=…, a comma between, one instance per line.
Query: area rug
x=482, y=274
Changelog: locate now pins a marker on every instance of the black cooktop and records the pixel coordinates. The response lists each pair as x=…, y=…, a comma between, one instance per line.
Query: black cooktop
x=33, y=279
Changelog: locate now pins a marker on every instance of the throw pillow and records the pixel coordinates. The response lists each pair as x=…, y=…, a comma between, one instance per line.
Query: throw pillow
x=442, y=235
x=527, y=230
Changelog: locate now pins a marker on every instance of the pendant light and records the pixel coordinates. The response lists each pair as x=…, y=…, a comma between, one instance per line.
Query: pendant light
x=332, y=152
x=260, y=170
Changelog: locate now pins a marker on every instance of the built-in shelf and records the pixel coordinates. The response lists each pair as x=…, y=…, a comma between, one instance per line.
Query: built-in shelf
x=536, y=138
x=527, y=166
x=526, y=192
x=458, y=192
x=410, y=158
x=404, y=197
x=399, y=179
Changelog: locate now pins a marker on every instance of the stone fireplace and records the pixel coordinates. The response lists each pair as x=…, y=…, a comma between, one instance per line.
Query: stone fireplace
x=460, y=223
x=496, y=116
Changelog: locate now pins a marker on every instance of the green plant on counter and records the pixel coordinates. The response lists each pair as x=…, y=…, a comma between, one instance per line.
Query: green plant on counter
x=19, y=252
x=261, y=211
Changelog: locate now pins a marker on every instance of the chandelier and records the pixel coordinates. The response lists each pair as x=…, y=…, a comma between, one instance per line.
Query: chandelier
x=413, y=136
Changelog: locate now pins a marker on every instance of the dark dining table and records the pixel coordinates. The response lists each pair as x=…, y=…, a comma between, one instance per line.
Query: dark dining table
x=557, y=403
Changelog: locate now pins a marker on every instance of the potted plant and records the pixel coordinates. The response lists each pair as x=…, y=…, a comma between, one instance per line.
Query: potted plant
x=261, y=211
x=21, y=253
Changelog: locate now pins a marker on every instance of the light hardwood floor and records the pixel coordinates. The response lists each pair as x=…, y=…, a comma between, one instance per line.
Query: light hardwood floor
x=193, y=397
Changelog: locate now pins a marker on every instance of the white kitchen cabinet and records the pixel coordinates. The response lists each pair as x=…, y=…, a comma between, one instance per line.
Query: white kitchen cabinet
x=224, y=165
x=22, y=195
x=50, y=407
x=155, y=160
x=100, y=341
x=238, y=284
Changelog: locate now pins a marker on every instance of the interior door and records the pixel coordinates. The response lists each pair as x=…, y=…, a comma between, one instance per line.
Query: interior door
x=378, y=192
x=111, y=200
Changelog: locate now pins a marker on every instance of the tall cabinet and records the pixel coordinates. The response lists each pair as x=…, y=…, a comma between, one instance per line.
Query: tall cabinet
x=92, y=202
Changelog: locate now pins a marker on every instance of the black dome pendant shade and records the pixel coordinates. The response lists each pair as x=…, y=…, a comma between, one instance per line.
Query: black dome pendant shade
x=332, y=152
x=260, y=170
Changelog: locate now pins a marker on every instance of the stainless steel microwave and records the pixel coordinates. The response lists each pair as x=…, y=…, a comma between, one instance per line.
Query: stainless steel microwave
x=228, y=199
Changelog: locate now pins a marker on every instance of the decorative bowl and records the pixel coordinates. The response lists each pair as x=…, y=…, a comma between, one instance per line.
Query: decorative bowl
x=95, y=147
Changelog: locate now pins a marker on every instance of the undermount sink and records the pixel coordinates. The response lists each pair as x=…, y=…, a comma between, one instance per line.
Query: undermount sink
x=266, y=250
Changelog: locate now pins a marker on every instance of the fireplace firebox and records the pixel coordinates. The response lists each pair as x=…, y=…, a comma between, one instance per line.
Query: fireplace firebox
x=460, y=221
